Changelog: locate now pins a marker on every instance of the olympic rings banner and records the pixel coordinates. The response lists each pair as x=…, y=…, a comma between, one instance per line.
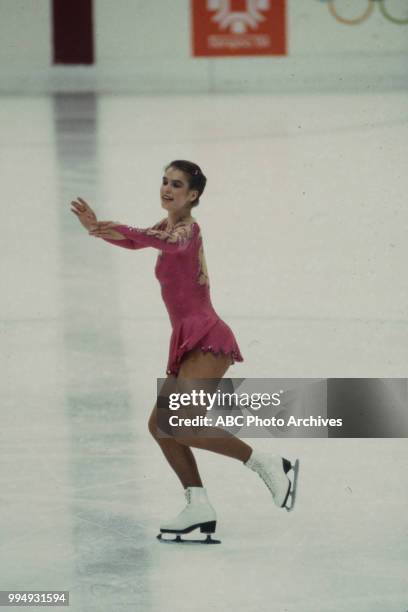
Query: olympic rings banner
x=386, y=8
x=238, y=27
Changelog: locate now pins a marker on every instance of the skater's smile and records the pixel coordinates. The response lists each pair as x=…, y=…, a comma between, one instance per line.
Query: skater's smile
x=176, y=197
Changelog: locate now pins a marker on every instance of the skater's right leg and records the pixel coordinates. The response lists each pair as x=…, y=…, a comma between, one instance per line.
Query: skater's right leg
x=180, y=457
x=198, y=513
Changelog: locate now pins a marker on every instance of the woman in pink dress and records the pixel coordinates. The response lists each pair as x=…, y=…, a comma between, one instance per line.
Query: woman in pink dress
x=202, y=346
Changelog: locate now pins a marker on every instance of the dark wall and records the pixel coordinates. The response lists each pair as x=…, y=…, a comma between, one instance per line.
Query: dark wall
x=73, y=32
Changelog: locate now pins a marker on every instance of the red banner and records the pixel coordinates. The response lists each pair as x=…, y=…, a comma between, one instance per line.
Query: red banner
x=238, y=27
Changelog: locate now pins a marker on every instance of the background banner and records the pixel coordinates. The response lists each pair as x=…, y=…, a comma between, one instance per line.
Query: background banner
x=238, y=27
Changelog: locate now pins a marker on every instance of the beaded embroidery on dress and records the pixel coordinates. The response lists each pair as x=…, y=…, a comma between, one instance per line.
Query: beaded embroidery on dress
x=203, y=276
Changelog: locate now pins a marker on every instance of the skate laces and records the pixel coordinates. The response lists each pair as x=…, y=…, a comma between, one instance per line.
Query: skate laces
x=188, y=495
x=269, y=477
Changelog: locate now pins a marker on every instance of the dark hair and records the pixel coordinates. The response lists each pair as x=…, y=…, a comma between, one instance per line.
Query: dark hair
x=195, y=178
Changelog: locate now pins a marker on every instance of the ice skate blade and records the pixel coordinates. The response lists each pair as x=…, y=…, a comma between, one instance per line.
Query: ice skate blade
x=179, y=540
x=291, y=497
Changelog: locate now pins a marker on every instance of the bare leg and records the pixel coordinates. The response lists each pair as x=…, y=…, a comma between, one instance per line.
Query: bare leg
x=198, y=364
x=180, y=457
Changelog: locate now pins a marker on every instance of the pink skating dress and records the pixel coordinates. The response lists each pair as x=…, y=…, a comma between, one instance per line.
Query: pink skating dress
x=182, y=273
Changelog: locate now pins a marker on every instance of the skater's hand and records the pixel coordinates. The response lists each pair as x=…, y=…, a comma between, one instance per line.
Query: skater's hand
x=105, y=229
x=84, y=212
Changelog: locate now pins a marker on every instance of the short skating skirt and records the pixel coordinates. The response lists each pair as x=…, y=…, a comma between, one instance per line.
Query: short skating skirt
x=209, y=335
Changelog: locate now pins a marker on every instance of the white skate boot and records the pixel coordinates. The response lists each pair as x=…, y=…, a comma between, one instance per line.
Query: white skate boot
x=198, y=513
x=273, y=470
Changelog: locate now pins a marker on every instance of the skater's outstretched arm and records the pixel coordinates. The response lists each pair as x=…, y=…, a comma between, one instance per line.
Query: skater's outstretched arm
x=175, y=240
x=88, y=219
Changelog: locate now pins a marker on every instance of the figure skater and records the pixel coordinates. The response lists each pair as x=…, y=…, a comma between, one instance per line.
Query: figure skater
x=202, y=346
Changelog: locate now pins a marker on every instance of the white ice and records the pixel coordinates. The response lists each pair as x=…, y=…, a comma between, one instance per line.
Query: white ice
x=305, y=224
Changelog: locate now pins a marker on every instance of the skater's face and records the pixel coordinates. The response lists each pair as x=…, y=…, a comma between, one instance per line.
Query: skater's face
x=174, y=191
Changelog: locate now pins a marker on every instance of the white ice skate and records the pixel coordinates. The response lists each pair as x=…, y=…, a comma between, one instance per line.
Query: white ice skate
x=198, y=514
x=273, y=470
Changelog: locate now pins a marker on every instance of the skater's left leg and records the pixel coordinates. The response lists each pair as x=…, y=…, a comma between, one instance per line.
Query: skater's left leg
x=272, y=469
x=200, y=365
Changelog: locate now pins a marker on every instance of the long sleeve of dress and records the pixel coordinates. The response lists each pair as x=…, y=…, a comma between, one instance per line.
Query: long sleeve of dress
x=127, y=243
x=175, y=240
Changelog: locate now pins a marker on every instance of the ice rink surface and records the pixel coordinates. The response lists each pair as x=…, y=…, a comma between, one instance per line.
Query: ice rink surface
x=305, y=223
